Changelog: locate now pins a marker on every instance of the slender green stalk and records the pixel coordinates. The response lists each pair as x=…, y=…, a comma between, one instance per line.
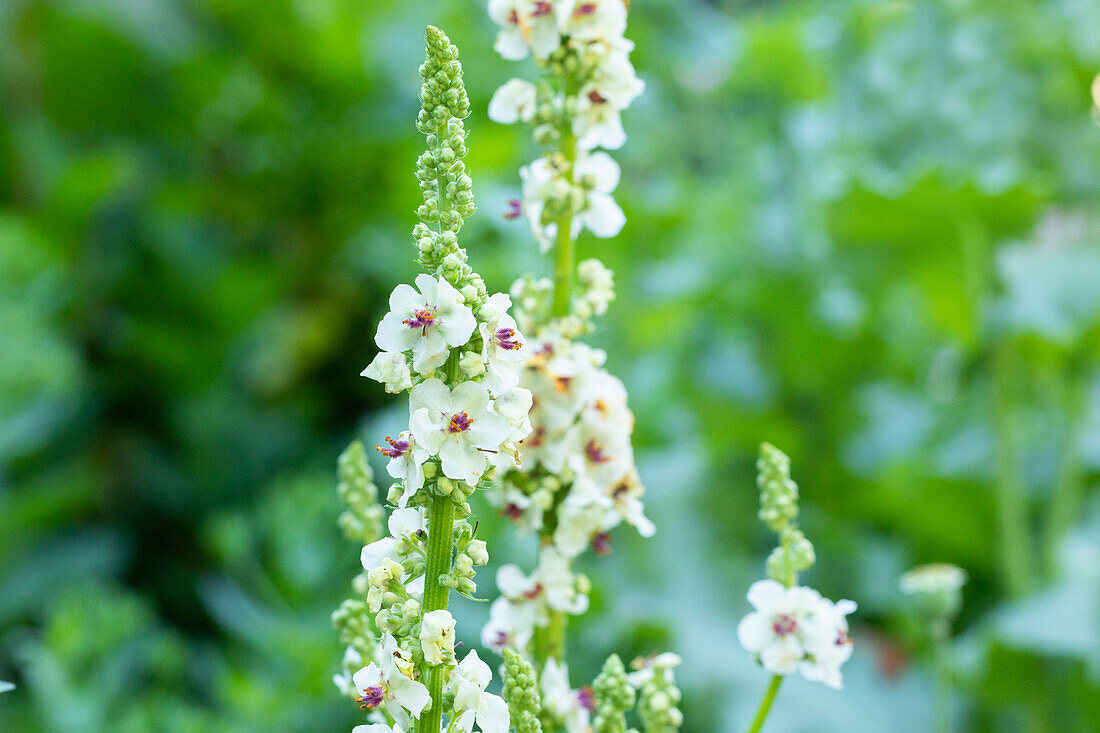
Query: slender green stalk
x=941, y=706
x=766, y=704
x=564, y=245
x=436, y=597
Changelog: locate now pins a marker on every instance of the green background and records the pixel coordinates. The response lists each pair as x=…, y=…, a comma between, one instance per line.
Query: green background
x=864, y=231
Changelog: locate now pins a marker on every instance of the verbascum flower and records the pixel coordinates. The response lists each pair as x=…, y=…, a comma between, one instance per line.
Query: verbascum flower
x=437, y=636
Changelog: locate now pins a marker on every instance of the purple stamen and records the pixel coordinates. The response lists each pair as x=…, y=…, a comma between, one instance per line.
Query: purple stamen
x=784, y=624
x=421, y=319
x=397, y=448
x=371, y=698
x=506, y=339
x=460, y=422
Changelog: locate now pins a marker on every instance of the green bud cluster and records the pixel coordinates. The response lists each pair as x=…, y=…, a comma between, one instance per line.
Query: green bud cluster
x=658, y=706
x=521, y=692
x=444, y=182
x=352, y=621
x=613, y=695
x=469, y=553
x=778, y=510
x=364, y=518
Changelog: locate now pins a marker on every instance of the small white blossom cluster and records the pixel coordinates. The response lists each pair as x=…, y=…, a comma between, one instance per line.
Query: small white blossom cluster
x=792, y=628
x=796, y=629
x=576, y=109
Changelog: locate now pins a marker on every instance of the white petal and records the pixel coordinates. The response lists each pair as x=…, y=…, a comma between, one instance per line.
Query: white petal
x=409, y=694
x=492, y=714
x=471, y=398
x=512, y=102
x=754, y=632
x=374, y=553
x=462, y=461
x=602, y=168
x=427, y=434
x=765, y=595
x=603, y=217
x=368, y=676
x=431, y=394
x=393, y=335
x=404, y=522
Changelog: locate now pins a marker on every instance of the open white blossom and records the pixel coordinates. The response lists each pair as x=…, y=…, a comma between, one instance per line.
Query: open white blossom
x=795, y=629
x=457, y=426
x=474, y=705
x=511, y=625
x=429, y=322
x=406, y=462
x=504, y=349
x=515, y=101
x=561, y=701
x=437, y=636
x=610, y=90
x=598, y=174
x=378, y=684
x=594, y=20
x=526, y=26
x=392, y=369
x=6, y=686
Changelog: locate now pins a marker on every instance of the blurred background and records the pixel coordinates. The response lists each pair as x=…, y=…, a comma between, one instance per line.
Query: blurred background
x=865, y=231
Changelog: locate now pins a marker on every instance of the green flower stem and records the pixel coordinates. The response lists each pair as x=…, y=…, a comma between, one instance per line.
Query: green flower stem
x=1069, y=492
x=766, y=703
x=565, y=247
x=942, y=703
x=436, y=597
x=549, y=642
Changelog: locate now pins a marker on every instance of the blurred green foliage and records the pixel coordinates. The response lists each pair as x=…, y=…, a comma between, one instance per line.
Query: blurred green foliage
x=864, y=231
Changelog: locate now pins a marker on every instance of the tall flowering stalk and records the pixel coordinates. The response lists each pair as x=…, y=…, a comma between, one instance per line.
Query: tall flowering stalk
x=792, y=628
x=457, y=352
x=575, y=479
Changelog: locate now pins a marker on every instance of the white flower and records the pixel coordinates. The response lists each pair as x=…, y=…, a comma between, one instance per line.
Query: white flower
x=553, y=584
x=377, y=684
x=468, y=682
x=391, y=369
x=932, y=579
x=505, y=349
x=511, y=625
x=542, y=181
x=525, y=26
x=796, y=629
x=344, y=681
x=626, y=496
x=562, y=701
x=428, y=322
x=514, y=101
x=6, y=686
x=437, y=636
x=457, y=426
x=831, y=647
x=585, y=513
x=406, y=462
x=402, y=523
x=599, y=174
x=595, y=20
x=611, y=89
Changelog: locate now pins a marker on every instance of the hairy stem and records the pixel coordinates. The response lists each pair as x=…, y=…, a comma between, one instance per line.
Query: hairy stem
x=436, y=597
x=766, y=704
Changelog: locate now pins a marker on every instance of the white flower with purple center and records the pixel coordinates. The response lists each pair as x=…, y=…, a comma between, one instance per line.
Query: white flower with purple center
x=429, y=322
x=595, y=20
x=611, y=89
x=598, y=174
x=572, y=708
x=473, y=704
x=513, y=102
x=526, y=26
x=511, y=625
x=406, y=462
x=458, y=426
x=386, y=683
x=553, y=585
x=795, y=629
x=585, y=514
x=626, y=497
x=504, y=350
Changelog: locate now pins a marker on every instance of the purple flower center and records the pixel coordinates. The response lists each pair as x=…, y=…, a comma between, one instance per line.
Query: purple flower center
x=596, y=98
x=584, y=9
x=784, y=624
x=460, y=422
x=515, y=209
x=371, y=698
x=595, y=453
x=513, y=512
x=421, y=319
x=534, y=592
x=586, y=699
x=842, y=638
x=601, y=543
x=506, y=339
x=397, y=448
x=542, y=7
